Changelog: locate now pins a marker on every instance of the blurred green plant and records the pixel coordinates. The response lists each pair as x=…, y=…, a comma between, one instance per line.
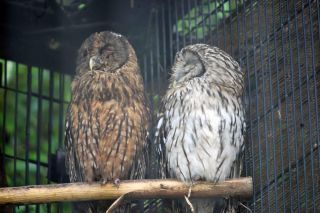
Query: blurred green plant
x=205, y=17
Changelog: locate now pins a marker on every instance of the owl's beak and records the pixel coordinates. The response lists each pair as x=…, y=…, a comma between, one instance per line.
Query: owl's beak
x=93, y=62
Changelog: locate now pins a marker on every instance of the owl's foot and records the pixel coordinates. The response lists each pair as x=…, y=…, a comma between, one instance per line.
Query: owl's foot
x=103, y=181
x=117, y=182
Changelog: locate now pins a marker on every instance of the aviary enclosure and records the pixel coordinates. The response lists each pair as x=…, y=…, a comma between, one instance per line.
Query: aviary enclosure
x=275, y=42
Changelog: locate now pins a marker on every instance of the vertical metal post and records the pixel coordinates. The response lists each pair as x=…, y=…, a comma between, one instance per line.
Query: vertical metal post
x=27, y=139
x=176, y=24
x=157, y=49
x=15, y=142
x=294, y=122
x=170, y=31
x=4, y=81
x=258, y=140
x=203, y=21
x=283, y=41
x=189, y=22
x=164, y=38
x=230, y=24
x=272, y=109
x=249, y=95
x=275, y=45
x=316, y=113
x=50, y=126
x=39, y=129
x=302, y=127
x=224, y=25
x=209, y=21
x=196, y=20
x=264, y=109
x=183, y=23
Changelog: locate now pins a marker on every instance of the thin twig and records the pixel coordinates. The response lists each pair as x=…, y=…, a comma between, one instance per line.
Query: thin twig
x=244, y=206
x=115, y=204
x=189, y=203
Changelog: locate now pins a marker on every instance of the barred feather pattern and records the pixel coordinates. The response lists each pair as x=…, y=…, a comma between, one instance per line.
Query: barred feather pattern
x=107, y=120
x=201, y=125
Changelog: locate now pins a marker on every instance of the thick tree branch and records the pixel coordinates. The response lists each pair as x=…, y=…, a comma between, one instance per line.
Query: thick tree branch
x=134, y=189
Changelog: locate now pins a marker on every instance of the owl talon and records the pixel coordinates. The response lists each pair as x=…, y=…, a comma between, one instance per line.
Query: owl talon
x=103, y=181
x=117, y=182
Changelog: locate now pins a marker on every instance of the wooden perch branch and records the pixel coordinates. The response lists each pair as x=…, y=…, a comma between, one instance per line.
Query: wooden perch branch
x=134, y=189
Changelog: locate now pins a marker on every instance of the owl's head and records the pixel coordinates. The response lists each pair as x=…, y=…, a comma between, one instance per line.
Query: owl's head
x=103, y=51
x=187, y=65
x=206, y=62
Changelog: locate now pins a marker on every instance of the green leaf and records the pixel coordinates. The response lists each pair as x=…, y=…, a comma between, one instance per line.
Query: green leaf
x=81, y=6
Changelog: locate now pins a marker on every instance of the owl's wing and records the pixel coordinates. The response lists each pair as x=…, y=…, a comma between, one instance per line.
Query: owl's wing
x=141, y=162
x=237, y=166
x=160, y=138
x=71, y=162
x=161, y=166
x=232, y=205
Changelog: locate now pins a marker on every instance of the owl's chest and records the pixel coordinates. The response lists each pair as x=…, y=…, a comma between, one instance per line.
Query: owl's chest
x=192, y=110
x=201, y=131
x=194, y=126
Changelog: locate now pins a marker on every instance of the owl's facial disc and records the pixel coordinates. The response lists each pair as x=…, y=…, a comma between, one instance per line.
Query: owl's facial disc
x=103, y=51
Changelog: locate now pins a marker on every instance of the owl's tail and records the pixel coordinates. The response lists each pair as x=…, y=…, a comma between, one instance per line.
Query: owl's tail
x=218, y=205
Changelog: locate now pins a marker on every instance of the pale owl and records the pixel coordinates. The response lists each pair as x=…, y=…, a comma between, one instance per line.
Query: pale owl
x=202, y=122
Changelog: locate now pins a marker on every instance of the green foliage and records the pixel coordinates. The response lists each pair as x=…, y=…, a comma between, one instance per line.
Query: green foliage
x=82, y=6
x=44, y=208
x=205, y=17
x=156, y=103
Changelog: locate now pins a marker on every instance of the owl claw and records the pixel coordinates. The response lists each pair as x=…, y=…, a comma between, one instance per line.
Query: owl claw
x=117, y=182
x=103, y=181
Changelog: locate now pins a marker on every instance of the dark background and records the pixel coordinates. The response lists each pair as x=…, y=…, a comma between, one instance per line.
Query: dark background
x=48, y=33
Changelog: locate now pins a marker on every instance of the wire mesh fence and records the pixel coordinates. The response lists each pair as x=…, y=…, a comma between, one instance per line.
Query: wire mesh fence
x=277, y=45
x=33, y=105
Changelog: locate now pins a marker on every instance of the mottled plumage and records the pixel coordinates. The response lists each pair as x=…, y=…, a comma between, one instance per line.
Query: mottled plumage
x=201, y=126
x=107, y=119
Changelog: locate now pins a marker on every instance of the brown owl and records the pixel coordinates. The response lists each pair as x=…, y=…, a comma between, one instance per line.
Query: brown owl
x=107, y=119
